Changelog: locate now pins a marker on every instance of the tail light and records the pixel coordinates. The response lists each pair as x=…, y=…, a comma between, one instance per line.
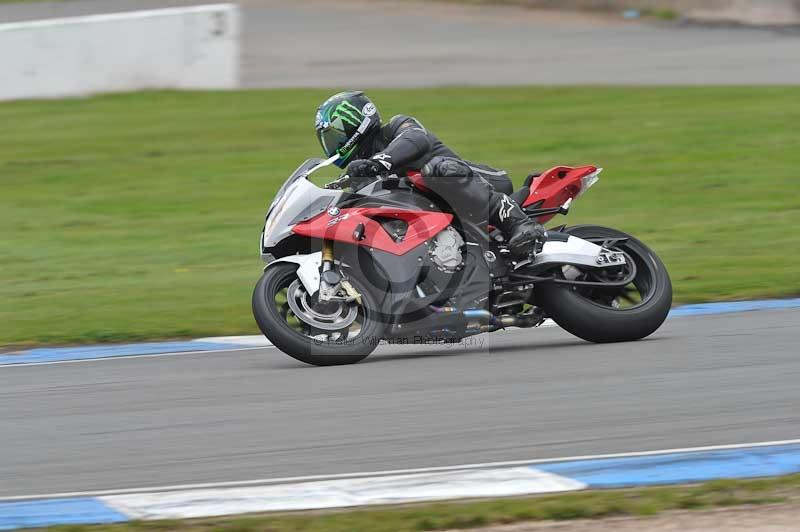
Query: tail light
x=588, y=180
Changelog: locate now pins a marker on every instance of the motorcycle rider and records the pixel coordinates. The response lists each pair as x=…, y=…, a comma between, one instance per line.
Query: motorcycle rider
x=348, y=124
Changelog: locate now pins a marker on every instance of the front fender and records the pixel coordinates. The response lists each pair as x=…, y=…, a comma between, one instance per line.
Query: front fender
x=391, y=278
x=308, y=269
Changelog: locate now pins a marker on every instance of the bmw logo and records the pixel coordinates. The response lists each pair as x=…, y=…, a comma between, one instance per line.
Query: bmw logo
x=333, y=211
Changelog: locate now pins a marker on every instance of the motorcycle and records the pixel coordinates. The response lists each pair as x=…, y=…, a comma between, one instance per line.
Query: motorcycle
x=391, y=262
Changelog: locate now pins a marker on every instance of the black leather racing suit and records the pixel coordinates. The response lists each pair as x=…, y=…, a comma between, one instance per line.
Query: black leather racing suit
x=478, y=192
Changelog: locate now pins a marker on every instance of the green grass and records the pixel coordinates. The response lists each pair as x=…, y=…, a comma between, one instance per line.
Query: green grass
x=660, y=13
x=471, y=514
x=137, y=216
x=664, y=14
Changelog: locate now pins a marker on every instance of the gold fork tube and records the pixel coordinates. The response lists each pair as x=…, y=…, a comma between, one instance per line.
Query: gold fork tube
x=327, y=251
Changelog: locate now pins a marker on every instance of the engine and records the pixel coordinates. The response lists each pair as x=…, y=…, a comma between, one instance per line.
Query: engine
x=445, y=250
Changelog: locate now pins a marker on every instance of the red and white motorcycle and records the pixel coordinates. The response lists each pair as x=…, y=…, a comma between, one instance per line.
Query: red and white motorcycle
x=346, y=269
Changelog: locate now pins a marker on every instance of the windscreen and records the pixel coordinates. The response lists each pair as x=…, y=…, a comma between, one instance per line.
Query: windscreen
x=297, y=200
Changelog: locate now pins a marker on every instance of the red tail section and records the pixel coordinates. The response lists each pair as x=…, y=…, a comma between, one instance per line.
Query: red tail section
x=556, y=186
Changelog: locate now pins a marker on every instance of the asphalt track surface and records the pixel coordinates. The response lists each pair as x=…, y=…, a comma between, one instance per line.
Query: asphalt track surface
x=514, y=395
x=380, y=43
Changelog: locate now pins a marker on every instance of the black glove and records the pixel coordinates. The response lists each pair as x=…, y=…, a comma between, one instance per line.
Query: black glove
x=364, y=168
x=362, y=172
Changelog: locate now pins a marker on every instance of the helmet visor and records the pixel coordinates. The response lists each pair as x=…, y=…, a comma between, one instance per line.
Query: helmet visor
x=331, y=139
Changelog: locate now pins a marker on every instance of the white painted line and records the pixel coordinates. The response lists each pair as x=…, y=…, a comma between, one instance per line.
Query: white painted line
x=128, y=357
x=250, y=341
x=392, y=472
x=341, y=493
x=261, y=341
x=237, y=343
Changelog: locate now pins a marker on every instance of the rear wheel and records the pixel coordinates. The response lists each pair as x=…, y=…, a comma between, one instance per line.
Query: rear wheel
x=309, y=330
x=613, y=314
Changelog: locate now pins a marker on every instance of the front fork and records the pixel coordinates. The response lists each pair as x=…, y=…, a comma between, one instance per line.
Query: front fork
x=327, y=255
x=332, y=286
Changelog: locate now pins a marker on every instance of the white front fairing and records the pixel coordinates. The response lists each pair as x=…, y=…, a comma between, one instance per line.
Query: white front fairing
x=297, y=200
x=301, y=201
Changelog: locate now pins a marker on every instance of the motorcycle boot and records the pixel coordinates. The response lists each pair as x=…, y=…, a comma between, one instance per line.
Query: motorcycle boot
x=521, y=232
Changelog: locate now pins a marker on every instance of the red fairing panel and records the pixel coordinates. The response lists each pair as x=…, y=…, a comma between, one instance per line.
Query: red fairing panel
x=417, y=180
x=556, y=186
x=422, y=226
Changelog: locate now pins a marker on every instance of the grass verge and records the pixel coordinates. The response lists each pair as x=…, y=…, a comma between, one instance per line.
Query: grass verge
x=471, y=514
x=131, y=217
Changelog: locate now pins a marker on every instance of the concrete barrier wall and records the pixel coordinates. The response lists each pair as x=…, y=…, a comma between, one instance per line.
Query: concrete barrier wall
x=193, y=47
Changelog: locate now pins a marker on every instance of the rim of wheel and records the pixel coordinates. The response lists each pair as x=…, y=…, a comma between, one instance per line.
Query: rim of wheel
x=628, y=297
x=330, y=322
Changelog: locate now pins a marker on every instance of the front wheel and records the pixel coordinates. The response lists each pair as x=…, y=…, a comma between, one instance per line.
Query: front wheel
x=617, y=314
x=311, y=331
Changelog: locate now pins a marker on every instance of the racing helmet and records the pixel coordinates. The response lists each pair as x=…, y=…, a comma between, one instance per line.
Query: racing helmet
x=343, y=122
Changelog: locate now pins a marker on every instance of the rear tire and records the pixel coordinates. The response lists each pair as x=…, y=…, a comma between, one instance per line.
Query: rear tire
x=302, y=347
x=572, y=309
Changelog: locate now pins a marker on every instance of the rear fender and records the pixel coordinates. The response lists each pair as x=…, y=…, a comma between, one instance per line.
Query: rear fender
x=568, y=249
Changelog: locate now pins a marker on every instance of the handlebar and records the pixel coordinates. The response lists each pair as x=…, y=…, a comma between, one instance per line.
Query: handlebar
x=338, y=184
x=345, y=181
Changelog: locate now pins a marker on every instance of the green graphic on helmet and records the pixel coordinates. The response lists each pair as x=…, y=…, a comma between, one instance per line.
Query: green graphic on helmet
x=343, y=122
x=348, y=113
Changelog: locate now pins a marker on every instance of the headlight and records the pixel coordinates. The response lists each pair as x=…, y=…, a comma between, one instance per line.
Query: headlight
x=275, y=213
x=278, y=205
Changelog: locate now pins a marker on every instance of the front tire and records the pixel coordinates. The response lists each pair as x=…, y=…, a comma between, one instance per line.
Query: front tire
x=596, y=314
x=289, y=332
